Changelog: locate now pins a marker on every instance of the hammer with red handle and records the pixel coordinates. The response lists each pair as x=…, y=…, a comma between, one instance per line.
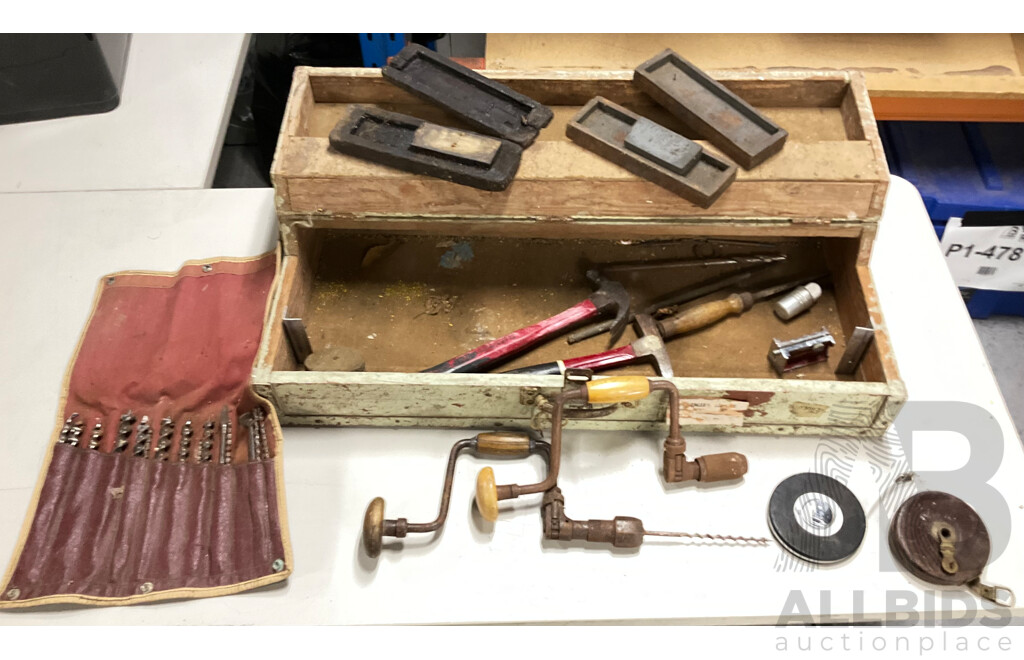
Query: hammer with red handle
x=609, y=296
x=650, y=346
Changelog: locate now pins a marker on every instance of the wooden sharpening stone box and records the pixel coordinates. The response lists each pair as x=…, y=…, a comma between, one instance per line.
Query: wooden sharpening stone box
x=410, y=270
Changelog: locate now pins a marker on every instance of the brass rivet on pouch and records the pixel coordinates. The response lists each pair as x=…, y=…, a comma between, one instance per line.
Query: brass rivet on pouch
x=277, y=566
x=110, y=280
x=146, y=587
x=13, y=594
x=207, y=268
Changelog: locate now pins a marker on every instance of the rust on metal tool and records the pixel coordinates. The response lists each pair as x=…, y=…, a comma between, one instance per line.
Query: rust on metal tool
x=708, y=108
x=501, y=444
x=620, y=532
x=617, y=389
x=650, y=151
x=414, y=145
x=481, y=102
x=940, y=539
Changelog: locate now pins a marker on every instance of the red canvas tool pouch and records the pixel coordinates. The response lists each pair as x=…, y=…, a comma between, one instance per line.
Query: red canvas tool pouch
x=166, y=505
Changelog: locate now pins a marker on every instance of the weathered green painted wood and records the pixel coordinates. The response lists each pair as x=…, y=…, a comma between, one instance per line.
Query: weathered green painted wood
x=473, y=400
x=595, y=425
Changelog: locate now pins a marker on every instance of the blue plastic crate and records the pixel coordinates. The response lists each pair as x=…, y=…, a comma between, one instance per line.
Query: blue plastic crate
x=960, y=167
x=377, y=47
x=982, y=303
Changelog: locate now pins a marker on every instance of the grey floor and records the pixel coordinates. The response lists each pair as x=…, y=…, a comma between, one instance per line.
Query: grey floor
x=1002, y=336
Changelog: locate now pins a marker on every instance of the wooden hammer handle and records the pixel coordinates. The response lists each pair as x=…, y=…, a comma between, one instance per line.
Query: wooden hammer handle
x=705, y=314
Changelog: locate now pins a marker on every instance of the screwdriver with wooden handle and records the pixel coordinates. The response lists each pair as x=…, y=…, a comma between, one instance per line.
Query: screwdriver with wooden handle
x=709, y=313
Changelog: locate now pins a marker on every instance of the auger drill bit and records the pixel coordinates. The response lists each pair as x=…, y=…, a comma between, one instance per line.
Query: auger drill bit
x=65, y=431
x=185, y=448
x=206, y=442
x=621, y=531
x=75, y=438
x=163, y=444
x=124, y=431
x=96, y=437
x=225, y=436
x=261, y=428
x=143, y=437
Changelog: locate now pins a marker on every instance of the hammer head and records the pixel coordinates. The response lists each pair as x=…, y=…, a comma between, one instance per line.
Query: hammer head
x=610, y=295
x=650, y=344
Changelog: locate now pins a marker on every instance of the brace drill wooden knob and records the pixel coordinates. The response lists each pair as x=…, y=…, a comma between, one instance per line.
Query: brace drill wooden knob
x=487, y=494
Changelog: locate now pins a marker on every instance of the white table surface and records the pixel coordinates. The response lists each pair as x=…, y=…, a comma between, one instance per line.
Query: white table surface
x=166, y=133
x=477, y=572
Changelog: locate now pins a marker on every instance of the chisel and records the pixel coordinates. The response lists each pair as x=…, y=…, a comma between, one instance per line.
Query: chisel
x=709, y=313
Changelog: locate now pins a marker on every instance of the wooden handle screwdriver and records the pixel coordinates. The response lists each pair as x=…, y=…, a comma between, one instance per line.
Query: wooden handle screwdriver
x=705, y=314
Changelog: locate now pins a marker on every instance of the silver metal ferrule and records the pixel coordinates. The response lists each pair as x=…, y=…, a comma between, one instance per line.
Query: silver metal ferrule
x=797, y=301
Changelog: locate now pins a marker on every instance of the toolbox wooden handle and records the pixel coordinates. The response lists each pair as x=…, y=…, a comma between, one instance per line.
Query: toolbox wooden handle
x=704, y=315
x=487, y=494
x=618, y=389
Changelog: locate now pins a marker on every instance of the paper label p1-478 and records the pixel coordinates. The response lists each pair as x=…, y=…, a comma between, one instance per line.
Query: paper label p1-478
x=986, y=256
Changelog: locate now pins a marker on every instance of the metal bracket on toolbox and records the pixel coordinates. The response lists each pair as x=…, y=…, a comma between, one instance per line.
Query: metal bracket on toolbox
x=856, y=346
x=417, y=146
x=651, y=151
x=298, y=338
x=709, y=108
x=479, y=101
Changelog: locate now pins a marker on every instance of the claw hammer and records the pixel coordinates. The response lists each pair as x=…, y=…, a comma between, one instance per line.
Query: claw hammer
x=650, y=346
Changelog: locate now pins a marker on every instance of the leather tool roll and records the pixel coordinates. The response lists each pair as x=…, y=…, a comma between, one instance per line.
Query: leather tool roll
x=116, y=523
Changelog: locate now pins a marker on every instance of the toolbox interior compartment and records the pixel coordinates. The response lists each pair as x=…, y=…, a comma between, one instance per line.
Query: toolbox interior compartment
x=409, y=302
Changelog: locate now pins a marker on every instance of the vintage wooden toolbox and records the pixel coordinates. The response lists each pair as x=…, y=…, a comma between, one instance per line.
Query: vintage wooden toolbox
x=411, y=270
